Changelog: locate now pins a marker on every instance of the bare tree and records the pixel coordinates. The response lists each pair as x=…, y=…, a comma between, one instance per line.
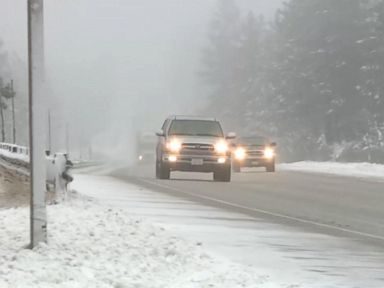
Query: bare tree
x=6, y=93
x=3, y=106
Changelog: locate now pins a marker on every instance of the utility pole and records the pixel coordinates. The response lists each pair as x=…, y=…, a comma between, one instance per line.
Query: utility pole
x=2, y=105
x=49, y=132
x=67, y=138
x=13, y=113
x=37, y=124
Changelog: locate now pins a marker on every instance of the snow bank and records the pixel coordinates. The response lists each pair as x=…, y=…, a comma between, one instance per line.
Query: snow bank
x=15, y=156
x=361, y=170
x=92, y=245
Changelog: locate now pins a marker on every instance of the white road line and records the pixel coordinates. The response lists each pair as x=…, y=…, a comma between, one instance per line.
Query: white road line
x=368, y=235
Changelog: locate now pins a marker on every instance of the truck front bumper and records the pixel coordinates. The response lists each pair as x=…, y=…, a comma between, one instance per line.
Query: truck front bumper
x=254, y=162
x=196, y=163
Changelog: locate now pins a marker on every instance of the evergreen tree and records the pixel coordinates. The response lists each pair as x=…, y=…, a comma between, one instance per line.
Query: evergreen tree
x=253, y=64
x=320, y=62
x=315, y=80
x=220, y=58
x=371, y=86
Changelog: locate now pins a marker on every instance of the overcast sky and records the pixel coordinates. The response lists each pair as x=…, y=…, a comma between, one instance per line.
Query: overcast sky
x=13, y=13
x=119, y=60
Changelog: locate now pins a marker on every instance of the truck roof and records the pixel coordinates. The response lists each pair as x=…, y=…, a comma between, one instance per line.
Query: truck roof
x=185, y=117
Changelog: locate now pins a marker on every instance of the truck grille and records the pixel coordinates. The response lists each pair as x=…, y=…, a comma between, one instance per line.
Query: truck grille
x=255, y=153
x=255, y=150
x=197, y=147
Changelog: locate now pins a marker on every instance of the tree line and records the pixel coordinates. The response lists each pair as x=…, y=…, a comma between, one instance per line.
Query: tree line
x=313, y=78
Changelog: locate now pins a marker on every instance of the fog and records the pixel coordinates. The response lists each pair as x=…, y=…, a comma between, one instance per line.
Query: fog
x=117, y=67
x=299, y=82
x=307, y=74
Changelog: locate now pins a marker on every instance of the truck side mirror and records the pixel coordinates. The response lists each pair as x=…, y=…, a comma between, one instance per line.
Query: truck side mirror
x=160, y=133
x=231, y=135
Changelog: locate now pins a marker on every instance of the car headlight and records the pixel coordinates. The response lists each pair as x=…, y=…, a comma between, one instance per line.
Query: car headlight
x=221, y=147
x=174, y=145
x=269, y=153
x=240, y=154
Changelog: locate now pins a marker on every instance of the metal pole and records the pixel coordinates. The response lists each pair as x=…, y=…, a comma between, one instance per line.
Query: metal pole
x=13, y=113
x=2, y=111
x=37, y=140
x=49, y=132
x=67, y=138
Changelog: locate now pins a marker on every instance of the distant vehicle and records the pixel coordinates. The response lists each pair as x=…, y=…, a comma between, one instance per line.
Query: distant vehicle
x=193, y=144
x=146, y=144
x=254, y=151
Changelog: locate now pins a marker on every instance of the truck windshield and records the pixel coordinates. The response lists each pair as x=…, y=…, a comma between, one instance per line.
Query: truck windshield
x=196, y=128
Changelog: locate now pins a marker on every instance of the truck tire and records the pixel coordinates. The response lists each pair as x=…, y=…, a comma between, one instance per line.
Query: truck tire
x=157, y=169
x=270, y=167
x=164, y=171
x=223, y=174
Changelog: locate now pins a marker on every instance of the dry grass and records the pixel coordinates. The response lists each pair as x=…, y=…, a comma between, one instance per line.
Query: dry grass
x=14, y=188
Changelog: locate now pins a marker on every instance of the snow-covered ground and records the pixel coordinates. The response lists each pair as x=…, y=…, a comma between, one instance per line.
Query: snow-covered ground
x=94, y=245
x=115, y=234
x=290, y=257
x=360, y=170
x=15, y=156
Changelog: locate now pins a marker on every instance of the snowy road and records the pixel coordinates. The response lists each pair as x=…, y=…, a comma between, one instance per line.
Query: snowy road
x=336, y=205
x=298, y=227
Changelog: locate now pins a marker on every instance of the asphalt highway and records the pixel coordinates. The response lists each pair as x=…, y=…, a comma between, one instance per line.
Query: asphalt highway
x=315, y=230
x=336, y=205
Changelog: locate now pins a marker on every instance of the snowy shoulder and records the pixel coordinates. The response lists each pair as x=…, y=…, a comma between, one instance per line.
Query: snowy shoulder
x=360, y=170
x=92, y=245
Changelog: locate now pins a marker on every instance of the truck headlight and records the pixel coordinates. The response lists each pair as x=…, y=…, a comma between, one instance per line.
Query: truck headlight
x=240, y=154
x=221, y=160
x=174, y=145
x=269, y=153
x=172, y=158
x=221, y=147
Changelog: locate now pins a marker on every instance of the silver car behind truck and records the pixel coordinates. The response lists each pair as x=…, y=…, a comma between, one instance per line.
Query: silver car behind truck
x=254, y=151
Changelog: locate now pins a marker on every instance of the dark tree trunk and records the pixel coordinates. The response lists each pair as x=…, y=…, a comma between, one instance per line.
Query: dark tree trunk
x=2, y=123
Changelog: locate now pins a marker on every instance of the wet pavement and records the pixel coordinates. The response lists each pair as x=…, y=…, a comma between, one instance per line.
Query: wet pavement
x=289, y=254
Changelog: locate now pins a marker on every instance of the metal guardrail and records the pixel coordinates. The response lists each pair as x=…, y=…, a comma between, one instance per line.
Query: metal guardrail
x=57, y=165
x=14, y=154
x=14, y=149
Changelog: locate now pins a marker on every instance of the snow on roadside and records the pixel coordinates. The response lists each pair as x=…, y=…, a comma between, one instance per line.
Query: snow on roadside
x=93, y=245
x=360, y=170
x=15, y=156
